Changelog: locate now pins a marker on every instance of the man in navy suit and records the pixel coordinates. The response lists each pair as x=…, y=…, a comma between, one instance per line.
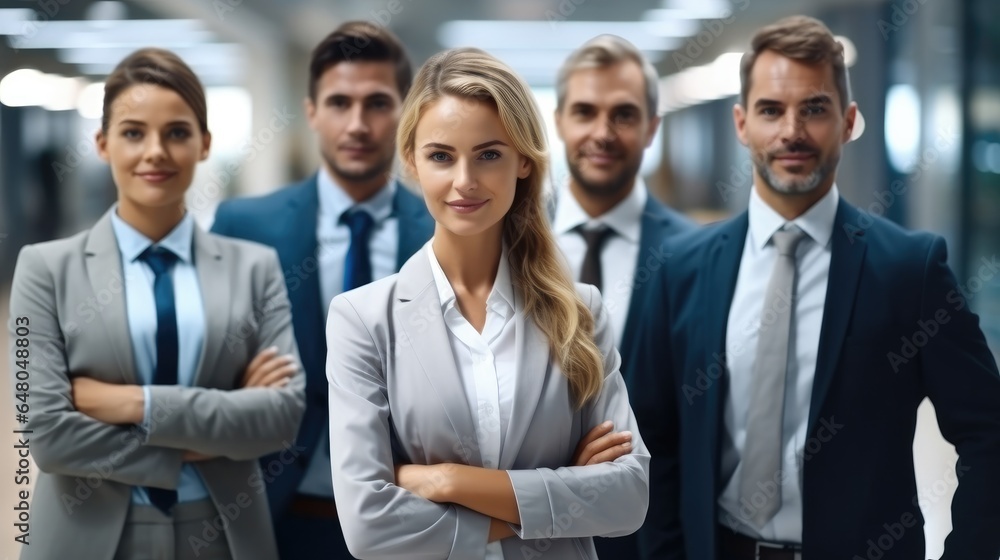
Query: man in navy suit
x=609, y=227
x=346, y=225
x=783, y=353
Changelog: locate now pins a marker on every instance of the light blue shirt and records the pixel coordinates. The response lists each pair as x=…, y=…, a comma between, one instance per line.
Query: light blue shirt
x=333, y=240
x=140, y=305
x=747, y=317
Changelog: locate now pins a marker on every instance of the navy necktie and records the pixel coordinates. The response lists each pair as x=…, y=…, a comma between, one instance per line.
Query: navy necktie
x=162, y=261
x=358, y=266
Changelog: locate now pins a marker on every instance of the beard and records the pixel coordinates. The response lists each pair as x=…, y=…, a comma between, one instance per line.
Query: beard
x=609, y=187
x=377, y=168
x=805, y=185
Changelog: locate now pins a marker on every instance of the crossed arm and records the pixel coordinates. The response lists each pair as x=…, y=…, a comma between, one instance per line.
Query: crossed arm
x=117, y=404
x=81, y=424
x=489, y=491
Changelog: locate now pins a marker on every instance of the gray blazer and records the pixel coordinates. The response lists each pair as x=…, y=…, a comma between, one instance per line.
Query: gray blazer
x=396, y=396
x=72, y=293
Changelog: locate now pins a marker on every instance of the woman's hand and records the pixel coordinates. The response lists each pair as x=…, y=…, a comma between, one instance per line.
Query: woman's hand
x=111, y=403
x=268, y=369
x=601, y=445
x=427, y=481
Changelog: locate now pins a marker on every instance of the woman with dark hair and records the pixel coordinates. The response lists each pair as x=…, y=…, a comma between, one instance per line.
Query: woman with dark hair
x=157, y=361
x=460, y=387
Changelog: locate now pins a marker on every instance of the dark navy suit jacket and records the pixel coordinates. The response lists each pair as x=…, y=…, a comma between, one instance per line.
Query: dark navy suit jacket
x=659, y=222
x=286, y=220
x=895, y=329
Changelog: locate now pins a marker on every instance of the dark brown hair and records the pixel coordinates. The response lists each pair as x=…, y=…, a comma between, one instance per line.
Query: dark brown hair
x=357, y=41
x=800, y=38
x=156, y=67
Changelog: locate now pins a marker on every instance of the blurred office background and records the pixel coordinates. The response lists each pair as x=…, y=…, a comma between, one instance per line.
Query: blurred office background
x=925, y=73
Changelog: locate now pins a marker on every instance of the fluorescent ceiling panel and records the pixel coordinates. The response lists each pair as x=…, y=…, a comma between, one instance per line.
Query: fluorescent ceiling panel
x=560, y=35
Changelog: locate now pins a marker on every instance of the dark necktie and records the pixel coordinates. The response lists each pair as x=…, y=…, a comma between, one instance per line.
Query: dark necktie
x=590, y=272
x=161, y=261
x=358, y=266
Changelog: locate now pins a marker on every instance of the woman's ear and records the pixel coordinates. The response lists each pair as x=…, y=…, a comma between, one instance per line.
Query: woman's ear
x=101, y=140
x=524, y=168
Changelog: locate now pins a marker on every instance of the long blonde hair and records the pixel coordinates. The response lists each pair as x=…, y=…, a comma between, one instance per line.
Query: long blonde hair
x=538, y=273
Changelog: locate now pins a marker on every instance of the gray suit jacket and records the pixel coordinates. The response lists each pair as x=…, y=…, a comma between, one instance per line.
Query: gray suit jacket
x=71, y=291
x=396, y=397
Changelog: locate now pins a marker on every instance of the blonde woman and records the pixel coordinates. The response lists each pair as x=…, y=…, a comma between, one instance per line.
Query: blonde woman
x=460, y=387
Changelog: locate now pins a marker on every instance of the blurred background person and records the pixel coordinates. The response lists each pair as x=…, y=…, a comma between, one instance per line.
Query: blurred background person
x=346, y=225
x=607, y=224
x=154, y=396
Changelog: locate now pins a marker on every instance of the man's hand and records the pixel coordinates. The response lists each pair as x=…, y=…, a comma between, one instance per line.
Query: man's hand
x=268, y=369
x=110, y=403
x=601, y=445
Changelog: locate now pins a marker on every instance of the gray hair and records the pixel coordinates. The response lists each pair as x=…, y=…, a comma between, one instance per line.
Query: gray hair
x=606, y=50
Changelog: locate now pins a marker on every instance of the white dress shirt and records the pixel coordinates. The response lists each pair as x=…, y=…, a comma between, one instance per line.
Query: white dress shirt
x=620, y=251
x=812, y=272
x=140, y=310
x=333, y=241
x=487, y=362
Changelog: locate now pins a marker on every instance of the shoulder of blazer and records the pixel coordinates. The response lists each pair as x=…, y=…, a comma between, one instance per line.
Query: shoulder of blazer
x=236, y=248
x=408, y=203
x=55, y=254
x=888, y=241
x=370, y=302
x=302, y=193
x=589, y=295
x=672, y=221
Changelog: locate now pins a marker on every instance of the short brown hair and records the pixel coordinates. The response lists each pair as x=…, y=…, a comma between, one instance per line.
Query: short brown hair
x=603, y=51
x=155, y=67
x=800, y=38
x=356, y=41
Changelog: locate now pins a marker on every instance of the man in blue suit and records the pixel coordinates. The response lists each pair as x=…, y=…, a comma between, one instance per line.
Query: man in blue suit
x=346, y=225
x=609, y=227
x=783, y=353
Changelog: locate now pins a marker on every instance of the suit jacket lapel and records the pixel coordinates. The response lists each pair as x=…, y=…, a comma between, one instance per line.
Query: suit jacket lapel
x=719, y=280
x=213, y=279
x=104, y=270
x=298, y=249
x=423, y=331
x=415, y=225
x=300, y=223
x=534, y=361
x=847, y=255
x=653, y=234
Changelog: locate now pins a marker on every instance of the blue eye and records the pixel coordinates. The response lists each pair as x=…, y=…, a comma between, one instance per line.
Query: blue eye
x=439, y=157
x=490, y=155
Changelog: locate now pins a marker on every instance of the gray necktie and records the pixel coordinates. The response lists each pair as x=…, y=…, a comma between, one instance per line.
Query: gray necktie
x=760, y=481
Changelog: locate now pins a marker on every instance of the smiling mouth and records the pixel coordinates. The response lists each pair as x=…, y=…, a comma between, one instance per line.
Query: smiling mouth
x=600, y=157
x=156, y=176
x=466, y=206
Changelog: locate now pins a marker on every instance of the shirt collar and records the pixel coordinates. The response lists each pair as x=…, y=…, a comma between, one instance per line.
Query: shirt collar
x=334, y=201
x=816, y=222
x=625, y=218
x=131, y=243
x=501, y=298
